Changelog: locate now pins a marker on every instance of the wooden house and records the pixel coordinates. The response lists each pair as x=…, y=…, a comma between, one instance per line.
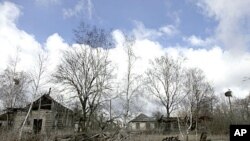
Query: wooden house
x=142, y=123
x=46, y=115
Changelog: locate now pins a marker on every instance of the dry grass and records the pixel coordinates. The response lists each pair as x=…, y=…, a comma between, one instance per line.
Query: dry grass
x=191, y=137
x=8, y=136
x=12, y=136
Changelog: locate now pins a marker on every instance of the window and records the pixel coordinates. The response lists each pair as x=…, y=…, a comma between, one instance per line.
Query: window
x=137, y=125
x=152, y=125
x=147, y=126
x=37, y=125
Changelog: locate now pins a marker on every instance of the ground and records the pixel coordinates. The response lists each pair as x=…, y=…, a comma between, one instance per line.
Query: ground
x=10, y=136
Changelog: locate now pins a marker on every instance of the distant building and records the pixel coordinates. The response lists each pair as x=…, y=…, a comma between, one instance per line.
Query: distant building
x=168, y=124
x=46, y=115
x=142, y=123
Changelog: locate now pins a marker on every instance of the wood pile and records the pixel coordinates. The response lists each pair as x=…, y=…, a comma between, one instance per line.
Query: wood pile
x=171, y=139
x=104, y=136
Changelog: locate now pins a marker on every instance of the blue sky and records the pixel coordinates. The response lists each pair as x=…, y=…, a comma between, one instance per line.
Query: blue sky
x=43, y=18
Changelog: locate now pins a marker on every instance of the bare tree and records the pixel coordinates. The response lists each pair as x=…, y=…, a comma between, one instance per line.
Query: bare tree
x=131, y=82
x=37, y=82
x=13, y=85
x=13, y=88
x=242, y=110
x=164, y=80
x=199, y=94
x=221, y=115
x=85, y=72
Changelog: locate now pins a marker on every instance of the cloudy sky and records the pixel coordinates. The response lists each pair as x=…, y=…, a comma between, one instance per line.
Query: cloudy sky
x=213, y=35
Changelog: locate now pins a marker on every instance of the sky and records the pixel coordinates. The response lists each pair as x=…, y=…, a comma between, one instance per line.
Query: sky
x=212, y=35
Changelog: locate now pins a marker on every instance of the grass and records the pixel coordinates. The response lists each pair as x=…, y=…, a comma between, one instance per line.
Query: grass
x=12, y=136
x=154, y=137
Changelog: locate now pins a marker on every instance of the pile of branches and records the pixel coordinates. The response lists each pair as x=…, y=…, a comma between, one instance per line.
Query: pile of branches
x=102, y=136
x=171, y=139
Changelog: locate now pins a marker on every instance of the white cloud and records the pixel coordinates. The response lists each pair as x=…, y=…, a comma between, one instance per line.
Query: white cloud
x=222, y=68
x=233, y=21
x=54, y=47
x=141, y=32
x=9, y=13
x=12, y=38
x=143, y=49
x=168, y=30
x=83, y=7
x=197, y=41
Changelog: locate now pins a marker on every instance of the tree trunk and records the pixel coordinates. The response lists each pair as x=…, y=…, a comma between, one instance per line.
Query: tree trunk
x=168, y=112
x=186, y=139
x=196, y=129
x=179, y=126
x=84, y=118
x=21, y=130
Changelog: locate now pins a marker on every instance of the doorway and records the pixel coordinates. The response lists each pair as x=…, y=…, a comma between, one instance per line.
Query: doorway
x=37, y=125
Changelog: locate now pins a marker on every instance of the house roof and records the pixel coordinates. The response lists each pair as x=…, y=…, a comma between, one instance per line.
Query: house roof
x=142, y=118
x=47, y=96
x=3, y=114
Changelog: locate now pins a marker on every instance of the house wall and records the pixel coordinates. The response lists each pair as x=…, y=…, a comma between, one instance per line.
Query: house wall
x=152, y=125
x=45, y=115
x=49, y=120
x=132, y=126
x=3, y=123
x=142, y=126
x=62, y=117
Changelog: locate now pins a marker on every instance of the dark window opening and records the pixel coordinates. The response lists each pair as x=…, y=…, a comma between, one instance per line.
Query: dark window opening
x=43, y=103
x=37, y=125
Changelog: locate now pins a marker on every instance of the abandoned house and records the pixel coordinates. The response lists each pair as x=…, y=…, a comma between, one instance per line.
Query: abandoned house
x=143, y=123
x=46, y=115
x=172, y=124
x=168, y=124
